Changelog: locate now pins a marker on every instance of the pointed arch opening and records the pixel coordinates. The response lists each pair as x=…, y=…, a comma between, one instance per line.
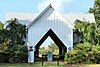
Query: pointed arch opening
x=50, y=33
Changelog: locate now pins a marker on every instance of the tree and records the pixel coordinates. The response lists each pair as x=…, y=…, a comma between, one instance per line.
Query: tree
x=12, y=40
x=54, y=49
x=17, y=32
x=51, y=48
x=96, y=10
x=42, y=50
x=14, y=34
x=1, y=25
x=87, y=31
x=4, y=36
x=98, y=37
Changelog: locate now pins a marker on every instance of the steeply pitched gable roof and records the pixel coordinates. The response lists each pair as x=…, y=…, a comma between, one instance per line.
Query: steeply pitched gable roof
x=50, y=6
x=40, y=15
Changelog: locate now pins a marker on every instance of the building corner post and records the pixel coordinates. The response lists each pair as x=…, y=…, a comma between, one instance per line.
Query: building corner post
x=31, y=55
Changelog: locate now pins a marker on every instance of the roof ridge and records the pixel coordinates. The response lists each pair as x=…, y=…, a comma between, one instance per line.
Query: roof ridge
x=40, y=15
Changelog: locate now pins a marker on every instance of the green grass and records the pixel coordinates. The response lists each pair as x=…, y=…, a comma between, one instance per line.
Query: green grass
x=37, y=64
x=46, y=64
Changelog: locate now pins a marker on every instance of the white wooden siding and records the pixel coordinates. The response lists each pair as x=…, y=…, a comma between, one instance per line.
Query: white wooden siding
x=51, y=20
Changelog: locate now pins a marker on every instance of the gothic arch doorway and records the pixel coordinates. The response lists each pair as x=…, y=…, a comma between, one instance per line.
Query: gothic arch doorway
x=58, y=42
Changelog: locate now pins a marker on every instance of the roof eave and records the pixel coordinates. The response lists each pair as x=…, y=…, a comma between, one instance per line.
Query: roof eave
x=40, y=15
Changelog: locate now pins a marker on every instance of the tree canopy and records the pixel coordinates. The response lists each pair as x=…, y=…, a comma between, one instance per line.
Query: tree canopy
x=51, y=48
x=91, y=31
x=87, y=31
x=1, y=25
x=96, y=10
x=12, y=40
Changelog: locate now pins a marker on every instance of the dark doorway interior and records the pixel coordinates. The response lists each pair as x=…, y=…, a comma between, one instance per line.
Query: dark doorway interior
x=58, y=42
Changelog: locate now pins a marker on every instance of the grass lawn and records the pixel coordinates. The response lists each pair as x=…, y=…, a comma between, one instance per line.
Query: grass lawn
x=37, y=64
x=83, y=65
x=46, y=64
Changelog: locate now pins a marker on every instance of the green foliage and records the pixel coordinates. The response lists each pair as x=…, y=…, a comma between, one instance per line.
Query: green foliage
x=96, y=11
x=83, y=53
x=90, y=31
x=1, y=32
x=18, y=53
x=17, y=32
x=98, y=36
x=87, y=31
x=1, y=25
x=4, y=57
x=4, y=36
x=12, y=45
x=42, y=50
x=51, y=48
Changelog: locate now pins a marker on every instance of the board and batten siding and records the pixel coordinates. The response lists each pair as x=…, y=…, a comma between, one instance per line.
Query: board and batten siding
x=51, y=20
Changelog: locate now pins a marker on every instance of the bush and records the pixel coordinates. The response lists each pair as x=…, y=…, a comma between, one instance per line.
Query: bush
x=14, y=54
x=83, y=53
x=18, y=54
x=4, y=57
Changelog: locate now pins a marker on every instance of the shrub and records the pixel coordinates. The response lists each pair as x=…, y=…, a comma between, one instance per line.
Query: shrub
x=83, y=53
x=4, y=57
x=13, y=54
x=18, y=54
